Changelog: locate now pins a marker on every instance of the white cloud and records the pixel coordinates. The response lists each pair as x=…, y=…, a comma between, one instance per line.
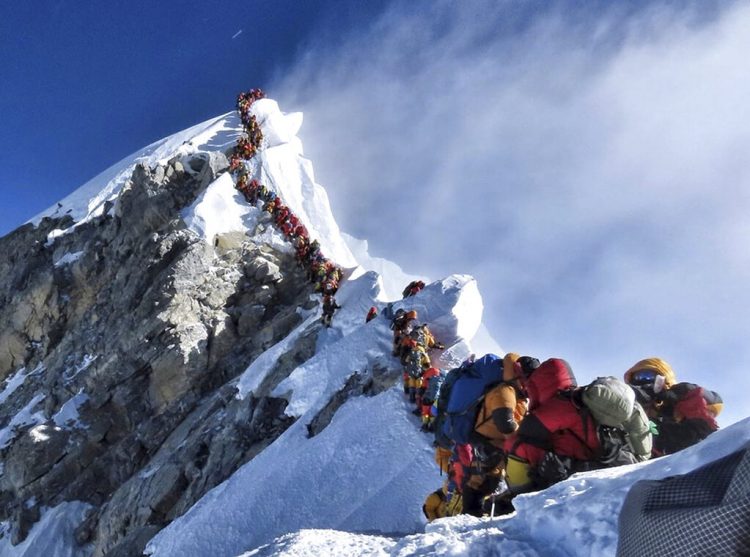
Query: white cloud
x=591, y=172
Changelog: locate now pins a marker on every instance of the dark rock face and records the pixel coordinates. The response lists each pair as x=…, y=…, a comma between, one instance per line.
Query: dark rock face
x=128, y=331
x=369, y=383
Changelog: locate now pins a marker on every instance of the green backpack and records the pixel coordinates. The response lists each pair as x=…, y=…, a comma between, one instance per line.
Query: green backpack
x=612, y=404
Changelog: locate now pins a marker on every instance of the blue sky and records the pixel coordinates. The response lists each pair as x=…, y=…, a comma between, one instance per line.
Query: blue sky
x=586, y=161
x=85, y=83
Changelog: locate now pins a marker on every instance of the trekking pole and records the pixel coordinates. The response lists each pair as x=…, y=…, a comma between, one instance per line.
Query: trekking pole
x=492, y=509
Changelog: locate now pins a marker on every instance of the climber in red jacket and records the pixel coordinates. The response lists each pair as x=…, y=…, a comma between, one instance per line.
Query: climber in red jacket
x=554, y=424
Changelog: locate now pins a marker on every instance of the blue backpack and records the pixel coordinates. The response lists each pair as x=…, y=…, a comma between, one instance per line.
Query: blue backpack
x=441, y=404
x=467, y=394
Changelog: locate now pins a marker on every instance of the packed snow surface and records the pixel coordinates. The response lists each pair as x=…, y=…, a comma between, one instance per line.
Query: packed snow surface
x=219, y=210
x=52, y=536
x=577, y=517
x=12, y=383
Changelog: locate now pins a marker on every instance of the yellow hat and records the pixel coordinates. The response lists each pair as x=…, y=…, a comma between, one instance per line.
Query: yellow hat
x=659, y=366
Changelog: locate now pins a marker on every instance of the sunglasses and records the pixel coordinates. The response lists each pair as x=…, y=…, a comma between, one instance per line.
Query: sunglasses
x=643, y=377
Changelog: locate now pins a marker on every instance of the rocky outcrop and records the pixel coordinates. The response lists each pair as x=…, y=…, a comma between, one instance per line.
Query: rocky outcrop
x=369, y=383
x=121, y=337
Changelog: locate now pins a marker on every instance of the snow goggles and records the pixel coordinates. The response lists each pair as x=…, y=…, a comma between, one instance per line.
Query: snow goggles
x=643, y=377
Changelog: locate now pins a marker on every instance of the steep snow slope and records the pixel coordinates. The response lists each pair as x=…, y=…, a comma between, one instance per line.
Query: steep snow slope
x=367, y=471
x=88, y=201
x=576, y=517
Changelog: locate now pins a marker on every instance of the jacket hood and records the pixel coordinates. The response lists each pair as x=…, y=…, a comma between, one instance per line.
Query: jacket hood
x=552, y=376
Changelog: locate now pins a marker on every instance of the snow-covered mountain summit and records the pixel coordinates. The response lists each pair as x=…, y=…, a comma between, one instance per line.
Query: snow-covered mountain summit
x=167, y=385
x=162, y=357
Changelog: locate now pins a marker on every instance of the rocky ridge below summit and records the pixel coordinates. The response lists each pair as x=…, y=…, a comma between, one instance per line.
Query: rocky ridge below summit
x=119, y=341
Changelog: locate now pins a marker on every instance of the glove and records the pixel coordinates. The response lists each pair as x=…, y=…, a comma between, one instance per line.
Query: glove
x=643, y=395
x=653, y=428
x=553, y=469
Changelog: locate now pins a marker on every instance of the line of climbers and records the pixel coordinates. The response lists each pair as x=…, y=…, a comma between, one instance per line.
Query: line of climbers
x=505, y=426
x=321, y=271
x=412, y=344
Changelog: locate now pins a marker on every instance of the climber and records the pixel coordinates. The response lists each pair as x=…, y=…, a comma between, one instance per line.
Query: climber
x=235, y=162
x=256, y=94
x=570, y=429
x=424, y=337
x=396, y=323
x=255, y=134
x=426, y=395
x=329, y=307
x=682, y=413
x=443, y=502
x=245, y=148
x=286, y=229
x=246, y=99
x=280, y=214
x=300, y=246
x=416, y=362
x=447, y=501
x=336, y=273
x=330, y=286
x=402, y=324
x=301, y=232
x=312, y=263
x=273, y=204
x=269, y=198
x=242, y=186
x=372, y=314
x=480, y=405
x=500, y=412
x=314, y=250
x=317, y=273
x=412, y=288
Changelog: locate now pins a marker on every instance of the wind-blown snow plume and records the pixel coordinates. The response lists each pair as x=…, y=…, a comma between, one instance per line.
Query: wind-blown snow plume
x=586, y=166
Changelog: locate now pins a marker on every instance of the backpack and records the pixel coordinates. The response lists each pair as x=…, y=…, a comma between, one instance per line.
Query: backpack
x=609, y=400
x=622, y=426
x=413, y=365
x=441, y=404
x=467, y=394
x=432, y=392
x=422, y=335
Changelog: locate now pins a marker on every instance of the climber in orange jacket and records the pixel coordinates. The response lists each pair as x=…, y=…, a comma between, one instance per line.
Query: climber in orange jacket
x=498, y=418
